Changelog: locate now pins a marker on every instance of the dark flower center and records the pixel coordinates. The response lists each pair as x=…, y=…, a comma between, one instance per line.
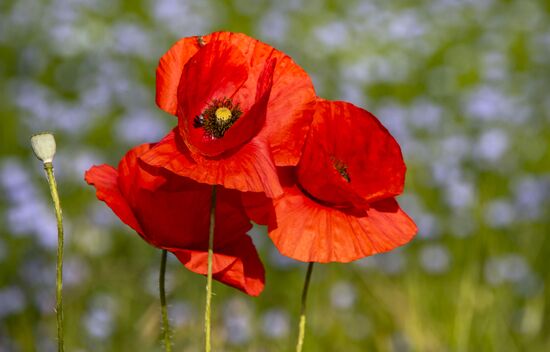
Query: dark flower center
x=218, y=117
x=341, y=167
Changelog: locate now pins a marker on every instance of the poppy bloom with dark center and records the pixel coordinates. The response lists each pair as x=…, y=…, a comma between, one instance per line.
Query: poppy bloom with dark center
x=243, y=107
x=173, y=213
x=338, y=203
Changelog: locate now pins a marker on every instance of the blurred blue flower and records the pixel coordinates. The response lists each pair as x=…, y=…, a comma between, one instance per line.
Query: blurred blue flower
x=435, y=259
x=500, y=213
x=99, y=320
x=343, y=295
x=237, y=321
x=275, y=323
x=12, y=300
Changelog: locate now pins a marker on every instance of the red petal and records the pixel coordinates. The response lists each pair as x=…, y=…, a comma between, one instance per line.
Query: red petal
x=310, y=232
x=250, y=169
x=169, y=73
x=247, y=272
x=197, y=260
x=232, y=223
x=258, y=207
x=344, y=132
x=179, y=218
x=152, y=197
x=289, y=112
x=393, y=227
x=235, y=262
x=104, y=179
x=238, y=265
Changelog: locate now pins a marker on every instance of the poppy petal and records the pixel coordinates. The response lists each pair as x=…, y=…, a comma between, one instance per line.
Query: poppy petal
x=247, y=272
x=258, y=207
x=235, y=261
x=197, y=260
x=177, y=210
x=390, y=224
x=169, y=73
x=164, y=225
x=104, y=179
x=350, y=157
x=250, y=169
x=232, y=223
x=289, y=112
x=310, y=232
x=238, y=266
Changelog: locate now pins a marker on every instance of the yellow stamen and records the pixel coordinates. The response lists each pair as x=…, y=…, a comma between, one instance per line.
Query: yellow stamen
x=223, y=114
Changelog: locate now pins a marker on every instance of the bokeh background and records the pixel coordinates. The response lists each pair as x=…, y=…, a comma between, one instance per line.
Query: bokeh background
x=462, y=84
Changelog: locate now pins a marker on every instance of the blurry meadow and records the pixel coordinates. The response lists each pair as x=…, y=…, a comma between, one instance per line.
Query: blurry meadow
x=462, y=84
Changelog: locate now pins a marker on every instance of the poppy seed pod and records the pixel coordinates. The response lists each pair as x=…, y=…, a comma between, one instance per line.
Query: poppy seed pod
x=43, y=146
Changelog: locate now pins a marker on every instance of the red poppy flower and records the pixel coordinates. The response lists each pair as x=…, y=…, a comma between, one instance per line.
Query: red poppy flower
x=338, y=203
x=242, y=107
x=173, y=213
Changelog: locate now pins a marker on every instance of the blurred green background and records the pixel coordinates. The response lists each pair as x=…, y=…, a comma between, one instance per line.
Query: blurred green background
x=462, y=84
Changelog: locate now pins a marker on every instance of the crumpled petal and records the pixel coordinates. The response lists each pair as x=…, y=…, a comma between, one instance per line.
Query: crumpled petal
x=310, y=232
x=250, y=169
x=343, y=134
x=238, y=266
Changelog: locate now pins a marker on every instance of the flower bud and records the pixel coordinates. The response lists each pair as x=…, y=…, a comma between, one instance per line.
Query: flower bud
x=43, y=146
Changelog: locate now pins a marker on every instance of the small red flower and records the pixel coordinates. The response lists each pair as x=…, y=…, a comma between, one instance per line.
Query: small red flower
x=339, y=201
x=173, y=213
x=242, y=107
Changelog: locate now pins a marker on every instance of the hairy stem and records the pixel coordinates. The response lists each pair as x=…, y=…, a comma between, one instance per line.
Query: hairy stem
x=207, y=309
x=302, y=326
x=59, y=268
x=163, y=310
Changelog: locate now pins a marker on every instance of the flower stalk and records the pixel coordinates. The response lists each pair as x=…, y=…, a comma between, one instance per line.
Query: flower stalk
x=207, y=309
x=44, y=147
x=59, y=267
x=302, y=326
x=166, y=332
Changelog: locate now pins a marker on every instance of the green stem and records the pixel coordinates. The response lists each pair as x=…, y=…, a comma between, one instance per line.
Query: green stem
x=302, y=327
x=207, y=310
x=163, y=310
x=59, y=271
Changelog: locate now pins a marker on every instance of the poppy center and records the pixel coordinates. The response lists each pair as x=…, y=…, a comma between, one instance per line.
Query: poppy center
x=218, y=117
x=223, y=114
x=341, y=167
